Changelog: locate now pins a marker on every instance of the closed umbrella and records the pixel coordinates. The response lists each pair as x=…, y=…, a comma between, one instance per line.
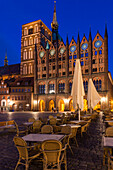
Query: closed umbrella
x=93, y=97
x=77, y=92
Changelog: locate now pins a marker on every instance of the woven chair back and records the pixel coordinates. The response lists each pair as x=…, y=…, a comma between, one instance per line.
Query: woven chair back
x=53, y=121
x=52, y=151
x=109, y=131
x=47, y=129
x=32, y=119
x=66, y=130
x=21, y=146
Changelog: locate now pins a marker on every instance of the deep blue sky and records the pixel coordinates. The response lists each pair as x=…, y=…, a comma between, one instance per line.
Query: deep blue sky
x=72, y=16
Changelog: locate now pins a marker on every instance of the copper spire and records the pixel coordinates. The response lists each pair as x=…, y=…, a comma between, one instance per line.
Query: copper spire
x=54, y=23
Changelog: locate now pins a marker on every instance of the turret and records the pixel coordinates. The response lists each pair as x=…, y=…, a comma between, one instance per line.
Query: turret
x=90, y=53
x=54, y=26
x=78, y=46
x=67, y=57
x=5, y=60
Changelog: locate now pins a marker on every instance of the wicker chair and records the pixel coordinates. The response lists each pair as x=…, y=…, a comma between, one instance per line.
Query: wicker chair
x=108, y=133
x=110, y=161
x=84, y=128
x=36, y=126
x=32, y=119
x=67, y=131
x=53, y=121
x=26, y=153
x=47, y=129
x=50, y=116
x=19, y=131
x=54, y=155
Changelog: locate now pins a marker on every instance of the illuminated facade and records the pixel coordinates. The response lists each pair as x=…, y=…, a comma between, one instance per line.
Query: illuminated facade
x=50, y=63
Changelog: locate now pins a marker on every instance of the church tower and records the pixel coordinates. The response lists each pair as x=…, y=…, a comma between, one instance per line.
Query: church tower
x=54, y=26
x=5, y=60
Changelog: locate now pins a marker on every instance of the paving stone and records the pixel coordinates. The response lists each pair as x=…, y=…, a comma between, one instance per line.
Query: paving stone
x=88, y=156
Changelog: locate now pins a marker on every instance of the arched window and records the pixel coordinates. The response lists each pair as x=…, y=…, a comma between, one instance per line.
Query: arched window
x=70, y=86
x=36, y=28
x=30, y=41
x=25, y=69
x=61, y=87
x=25, y=54
x=25, y=42
x=85, y=83
x=98, y=84
x=25, y=31
x=36, y=40
x=30, y=53
x=42, y=89
x=51, y=88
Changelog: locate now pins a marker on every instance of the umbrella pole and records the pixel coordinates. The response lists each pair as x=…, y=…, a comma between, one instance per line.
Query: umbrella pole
x=90, y=110
x=79, y=114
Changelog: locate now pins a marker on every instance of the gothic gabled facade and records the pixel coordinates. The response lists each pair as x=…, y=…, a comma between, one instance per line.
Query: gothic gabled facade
x=50, y=63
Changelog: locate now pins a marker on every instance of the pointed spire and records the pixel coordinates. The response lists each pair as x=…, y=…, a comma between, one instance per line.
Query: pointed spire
x=67, y=41
x=47, y=46
x=90, y=37
x=97, y=31
x=106, y=33
x=54, y=23
x=5, y=60
x=78, y=39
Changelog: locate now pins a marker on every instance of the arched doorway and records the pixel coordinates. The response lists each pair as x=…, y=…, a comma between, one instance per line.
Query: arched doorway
x=98, y=106
x=71, y=105
x=85, y=105
x=14, y=107
x=51, y=105
x=41, y=105
x=62, y=105
x=20, y=107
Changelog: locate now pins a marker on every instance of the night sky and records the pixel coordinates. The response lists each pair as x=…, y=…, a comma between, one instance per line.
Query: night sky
x=72, y=16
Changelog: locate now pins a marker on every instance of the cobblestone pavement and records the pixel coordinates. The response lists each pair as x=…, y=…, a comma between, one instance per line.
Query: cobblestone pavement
x=88, y=156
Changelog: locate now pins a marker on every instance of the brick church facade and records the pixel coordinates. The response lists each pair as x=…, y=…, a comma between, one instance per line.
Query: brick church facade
x=50, y=63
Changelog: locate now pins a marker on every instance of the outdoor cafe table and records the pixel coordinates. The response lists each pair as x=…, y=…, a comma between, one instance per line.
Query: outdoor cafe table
x=107, y=121
x=74, y=128
x=72, y=125
x=76, y=121
x=39, y=138
x=7, y=126
x=27, y=123
x=108, y=142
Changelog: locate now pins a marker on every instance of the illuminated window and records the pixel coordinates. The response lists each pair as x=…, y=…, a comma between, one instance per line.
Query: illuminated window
x=30, y=53
x=36, y=28
x=25, y=55
x=25, y=31
x=51, y=88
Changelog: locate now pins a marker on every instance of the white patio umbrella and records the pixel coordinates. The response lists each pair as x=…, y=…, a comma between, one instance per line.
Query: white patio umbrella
x=77, y=92
x=93, y=97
